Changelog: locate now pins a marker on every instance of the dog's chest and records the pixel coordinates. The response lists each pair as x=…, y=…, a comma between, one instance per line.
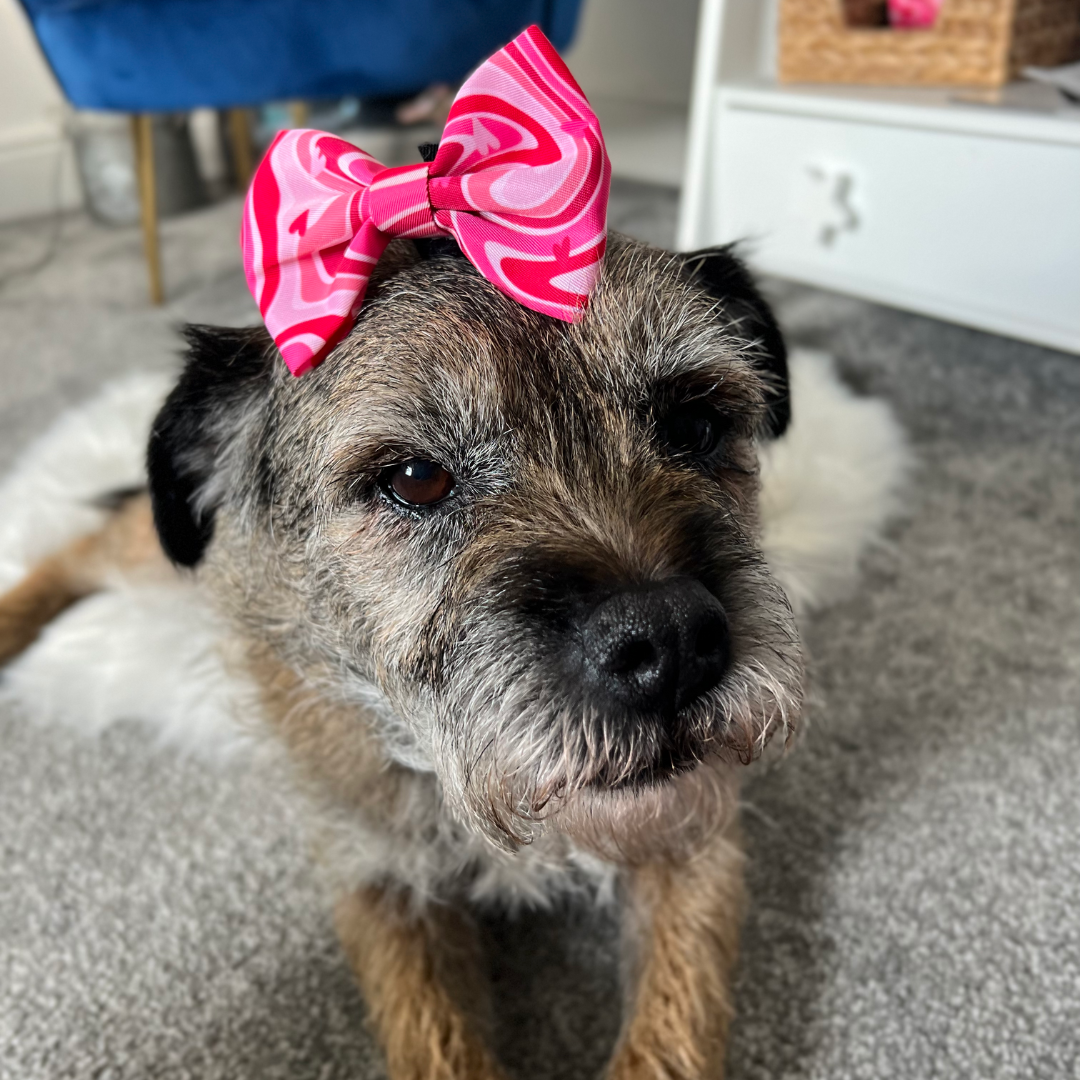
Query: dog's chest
x=434, y=855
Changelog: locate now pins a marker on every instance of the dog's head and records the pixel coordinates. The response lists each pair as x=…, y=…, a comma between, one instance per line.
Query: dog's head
x=527, y=549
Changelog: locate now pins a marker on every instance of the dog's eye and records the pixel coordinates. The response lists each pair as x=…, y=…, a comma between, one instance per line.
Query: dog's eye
x=418, y=482
x=695, y=429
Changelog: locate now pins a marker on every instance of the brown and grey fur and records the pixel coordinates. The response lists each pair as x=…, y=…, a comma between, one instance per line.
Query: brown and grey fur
x=414, y=664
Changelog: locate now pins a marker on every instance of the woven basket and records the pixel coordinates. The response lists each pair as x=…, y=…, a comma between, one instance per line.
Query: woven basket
x=973, y=43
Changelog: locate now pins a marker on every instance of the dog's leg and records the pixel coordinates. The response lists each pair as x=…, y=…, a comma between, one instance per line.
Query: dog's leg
x=416, y=971
x=683, y=923
x=125, y=542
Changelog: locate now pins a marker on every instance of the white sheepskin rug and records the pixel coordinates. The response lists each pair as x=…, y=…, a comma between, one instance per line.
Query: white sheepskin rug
x=150, y=652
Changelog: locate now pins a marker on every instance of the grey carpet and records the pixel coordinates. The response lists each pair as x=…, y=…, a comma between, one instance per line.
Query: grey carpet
x=914, y=869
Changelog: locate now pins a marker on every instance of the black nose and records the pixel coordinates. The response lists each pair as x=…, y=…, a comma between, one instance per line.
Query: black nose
x=657, y=648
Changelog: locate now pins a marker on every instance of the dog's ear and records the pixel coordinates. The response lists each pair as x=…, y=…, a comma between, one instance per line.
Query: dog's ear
x=723, y=275
x=225, y=370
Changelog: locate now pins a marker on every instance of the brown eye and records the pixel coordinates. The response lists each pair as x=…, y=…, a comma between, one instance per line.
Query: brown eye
x=694, y=429
x=418, y=482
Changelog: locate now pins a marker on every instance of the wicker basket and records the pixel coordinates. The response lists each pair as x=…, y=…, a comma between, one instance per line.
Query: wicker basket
x=973, y=43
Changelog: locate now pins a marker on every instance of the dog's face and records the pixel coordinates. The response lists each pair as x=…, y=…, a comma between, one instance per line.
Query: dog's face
x=526, y=548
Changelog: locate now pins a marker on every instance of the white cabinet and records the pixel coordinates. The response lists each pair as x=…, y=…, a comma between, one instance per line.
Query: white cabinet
x=911, y=198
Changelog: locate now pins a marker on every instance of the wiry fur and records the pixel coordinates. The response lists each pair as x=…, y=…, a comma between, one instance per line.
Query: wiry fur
x=548, y=428
x=420, y=668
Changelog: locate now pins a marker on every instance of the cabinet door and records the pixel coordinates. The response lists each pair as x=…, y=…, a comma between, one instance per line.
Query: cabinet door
x=970, y=227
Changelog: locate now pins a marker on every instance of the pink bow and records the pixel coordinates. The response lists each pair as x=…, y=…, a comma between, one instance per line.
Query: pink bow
x=520, y=181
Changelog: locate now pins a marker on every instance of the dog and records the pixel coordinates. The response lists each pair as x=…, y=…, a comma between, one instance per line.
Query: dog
x=498, y=580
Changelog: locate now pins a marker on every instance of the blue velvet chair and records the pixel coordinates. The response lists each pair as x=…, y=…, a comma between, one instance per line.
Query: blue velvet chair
x=147, y=56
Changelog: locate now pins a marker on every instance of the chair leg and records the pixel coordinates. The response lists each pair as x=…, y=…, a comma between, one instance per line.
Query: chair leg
x=143, y=137
x=240, y=141
x=299, y=113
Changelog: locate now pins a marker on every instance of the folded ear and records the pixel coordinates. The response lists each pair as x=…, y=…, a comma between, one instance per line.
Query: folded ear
x=723, y=275
x=226, y=372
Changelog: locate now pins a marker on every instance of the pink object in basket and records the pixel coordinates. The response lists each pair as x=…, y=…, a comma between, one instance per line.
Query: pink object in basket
x=913, y=14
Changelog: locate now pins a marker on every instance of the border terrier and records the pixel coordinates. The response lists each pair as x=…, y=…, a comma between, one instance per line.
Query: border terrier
x=497, y=578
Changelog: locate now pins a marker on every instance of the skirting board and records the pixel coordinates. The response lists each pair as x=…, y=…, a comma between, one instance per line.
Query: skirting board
x=37, y=173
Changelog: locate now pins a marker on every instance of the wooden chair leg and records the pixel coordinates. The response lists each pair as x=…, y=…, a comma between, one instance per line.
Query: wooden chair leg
x=299, y=112
x=143, y=137
x=240, y=141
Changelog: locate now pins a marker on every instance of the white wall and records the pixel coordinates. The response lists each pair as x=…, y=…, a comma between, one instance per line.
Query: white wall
x=37, y=172
x=634, y=59
x=636, y=50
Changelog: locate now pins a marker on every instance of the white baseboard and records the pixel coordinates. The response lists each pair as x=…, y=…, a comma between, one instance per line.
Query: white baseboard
x=37, y=173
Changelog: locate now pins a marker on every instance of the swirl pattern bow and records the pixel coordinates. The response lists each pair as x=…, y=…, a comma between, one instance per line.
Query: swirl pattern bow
x=520, y=181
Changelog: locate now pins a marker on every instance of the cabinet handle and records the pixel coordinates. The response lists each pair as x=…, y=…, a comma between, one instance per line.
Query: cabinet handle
x=841, y=216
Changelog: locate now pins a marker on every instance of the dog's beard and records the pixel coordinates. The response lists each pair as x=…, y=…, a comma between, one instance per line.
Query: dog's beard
x=520, y=750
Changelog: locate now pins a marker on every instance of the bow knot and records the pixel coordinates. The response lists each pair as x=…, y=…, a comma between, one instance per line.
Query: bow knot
x=397, y=202
x=520, y=181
